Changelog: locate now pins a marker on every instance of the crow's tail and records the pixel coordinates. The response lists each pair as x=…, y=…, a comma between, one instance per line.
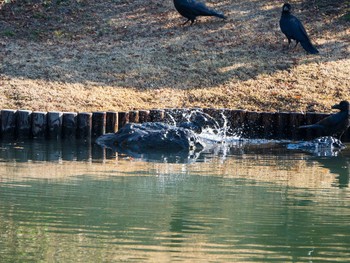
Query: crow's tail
x=203, y=10
x=217, y=14
x=311, y=126
x=309, y=47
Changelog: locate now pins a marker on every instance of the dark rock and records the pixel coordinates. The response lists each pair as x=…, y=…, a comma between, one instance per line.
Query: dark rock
x=151, y=137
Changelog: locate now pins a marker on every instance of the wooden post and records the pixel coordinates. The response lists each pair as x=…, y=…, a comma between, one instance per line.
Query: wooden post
x=268, y=120
x=24, y=124
x=39, y=124
x=134, y=116
x=237, y=122
x=21, y=155
x=69, y=125
x=83, y=150
x=54, y=149
x=209, y=111
x=253, y=126
x=69, y=150
x=54, y=124
x=217, y=115
x=110, y=154
x=172, y=116
x=38, y=150
x=84, y=123
x=111, y=122
x=123, y=118
x=282, y=123
x=8, y=124
x=98, y=154
x=98, y=124
x=296, y=119
x=144, y=116
x=156, y=115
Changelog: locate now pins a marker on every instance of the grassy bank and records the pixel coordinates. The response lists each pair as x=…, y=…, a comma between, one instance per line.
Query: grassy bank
x=125, y=54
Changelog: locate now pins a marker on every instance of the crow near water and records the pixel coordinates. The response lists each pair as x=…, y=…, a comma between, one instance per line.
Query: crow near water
x=335, y=124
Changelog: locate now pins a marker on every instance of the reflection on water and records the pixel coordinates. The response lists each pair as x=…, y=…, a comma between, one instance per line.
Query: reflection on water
x=67, y=202
x=55, y=150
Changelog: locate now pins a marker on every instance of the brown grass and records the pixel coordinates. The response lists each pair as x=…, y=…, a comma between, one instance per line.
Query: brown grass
x=128, y=54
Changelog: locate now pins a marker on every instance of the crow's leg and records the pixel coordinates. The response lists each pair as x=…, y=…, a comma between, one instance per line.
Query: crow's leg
x=297, y=42
x=287, y=47
x=187, y=22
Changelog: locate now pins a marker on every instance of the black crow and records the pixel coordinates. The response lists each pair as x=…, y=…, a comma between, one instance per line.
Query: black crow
x=191, y=9
x=333, y=125
x=294, y=29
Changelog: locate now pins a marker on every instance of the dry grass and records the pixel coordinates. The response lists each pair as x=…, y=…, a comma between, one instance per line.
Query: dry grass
x=125, y=54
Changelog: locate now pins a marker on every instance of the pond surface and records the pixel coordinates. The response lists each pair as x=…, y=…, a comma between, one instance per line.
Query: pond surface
x=67, y=202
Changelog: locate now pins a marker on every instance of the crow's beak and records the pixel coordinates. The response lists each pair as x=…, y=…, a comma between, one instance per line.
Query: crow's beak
x=336, y=106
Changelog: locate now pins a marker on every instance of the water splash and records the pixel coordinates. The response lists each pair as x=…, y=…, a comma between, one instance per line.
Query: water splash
x=194, y=132
x=322, y=146
x=212, y=130
x=216, y=132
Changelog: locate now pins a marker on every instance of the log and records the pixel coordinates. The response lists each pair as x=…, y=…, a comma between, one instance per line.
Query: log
x=237, y=118
x=156, y=115
x=84, y=123
x=98, y=124
x=111, y=122
x=144, y=116
x=172, y=116
x=98, y=154
x=8, y=124
x=39, y=124
x=134, y=116
x=252, y=125
x=123, y=118
x=24, y=124
x=268, y=121
x=69, y=125
x=282, y=123
x=54, y=149
x=69, y=151
x=218, y=115
x=54, y=124
x=83, y=150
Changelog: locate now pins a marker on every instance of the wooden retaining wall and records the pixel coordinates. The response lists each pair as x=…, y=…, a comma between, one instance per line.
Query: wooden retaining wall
x=24, y=124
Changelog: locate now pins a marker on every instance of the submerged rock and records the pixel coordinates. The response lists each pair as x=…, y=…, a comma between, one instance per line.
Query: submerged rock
x=151, y=137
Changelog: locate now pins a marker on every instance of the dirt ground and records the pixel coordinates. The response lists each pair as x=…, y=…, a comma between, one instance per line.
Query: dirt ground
x=134, y=54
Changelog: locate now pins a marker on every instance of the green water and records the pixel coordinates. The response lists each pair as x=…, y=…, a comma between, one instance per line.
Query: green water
x=244, y=205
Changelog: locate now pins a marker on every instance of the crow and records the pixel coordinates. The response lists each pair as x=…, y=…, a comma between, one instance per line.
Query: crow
x=333, y=125
x=294, y=29
x=191, y=9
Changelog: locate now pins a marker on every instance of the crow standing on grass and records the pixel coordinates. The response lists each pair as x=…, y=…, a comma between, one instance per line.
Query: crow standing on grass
x=191, y=9
x=294, y=29
x=334, y=125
